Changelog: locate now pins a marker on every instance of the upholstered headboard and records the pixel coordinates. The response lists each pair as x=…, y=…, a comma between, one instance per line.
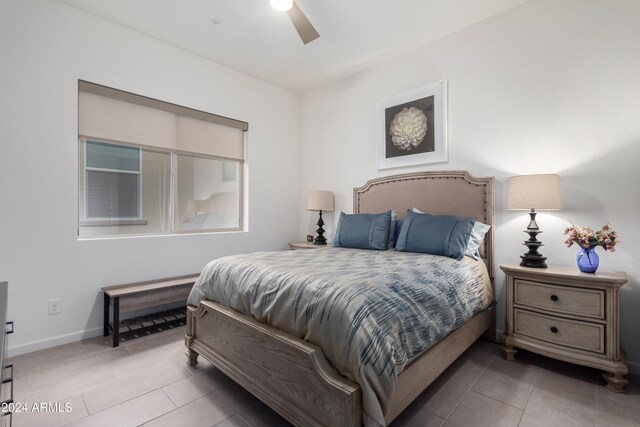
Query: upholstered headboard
x=444, y=193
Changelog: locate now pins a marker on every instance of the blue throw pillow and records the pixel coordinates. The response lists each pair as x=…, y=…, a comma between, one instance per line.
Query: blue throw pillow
x=363, y=231
x=398, y=227
x=475, y=239
x=393, y=236
x=435, y=234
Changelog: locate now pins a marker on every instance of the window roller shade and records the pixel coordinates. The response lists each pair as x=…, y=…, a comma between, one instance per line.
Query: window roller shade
x=110, y=119
x=197, y=136
x=114, y=119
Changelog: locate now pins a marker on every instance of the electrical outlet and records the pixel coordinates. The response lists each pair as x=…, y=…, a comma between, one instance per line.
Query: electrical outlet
x=55, y=306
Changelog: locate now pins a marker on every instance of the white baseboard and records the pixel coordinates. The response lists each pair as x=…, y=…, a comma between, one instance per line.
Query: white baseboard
x=53, y=341
x=634, y=367
x=80, y=335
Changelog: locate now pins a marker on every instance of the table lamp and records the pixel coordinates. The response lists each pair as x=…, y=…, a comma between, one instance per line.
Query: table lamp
x=531, y=192
x=320, y=201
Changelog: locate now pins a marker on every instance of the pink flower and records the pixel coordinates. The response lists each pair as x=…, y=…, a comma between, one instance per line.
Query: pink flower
x=587, y=238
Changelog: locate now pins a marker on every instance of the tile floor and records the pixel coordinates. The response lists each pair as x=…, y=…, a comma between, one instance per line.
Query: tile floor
x=146, y=382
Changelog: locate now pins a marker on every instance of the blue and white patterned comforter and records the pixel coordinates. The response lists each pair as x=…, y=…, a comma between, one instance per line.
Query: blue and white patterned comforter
x=371, y=312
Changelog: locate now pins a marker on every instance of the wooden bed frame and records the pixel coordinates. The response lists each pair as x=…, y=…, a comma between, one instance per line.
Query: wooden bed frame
x=291, y=375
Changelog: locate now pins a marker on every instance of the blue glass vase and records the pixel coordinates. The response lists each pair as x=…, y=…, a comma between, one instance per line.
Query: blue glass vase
x=588, y=260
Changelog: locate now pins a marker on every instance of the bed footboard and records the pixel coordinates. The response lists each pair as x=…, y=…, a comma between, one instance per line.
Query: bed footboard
x=290, y=375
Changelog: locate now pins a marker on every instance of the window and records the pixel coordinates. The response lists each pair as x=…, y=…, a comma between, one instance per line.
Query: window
x=123, y=190
x=148, y=167
x=208, y=194
x=112, y=179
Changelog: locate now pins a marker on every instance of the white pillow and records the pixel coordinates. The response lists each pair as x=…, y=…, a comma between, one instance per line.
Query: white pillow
x=475, y=239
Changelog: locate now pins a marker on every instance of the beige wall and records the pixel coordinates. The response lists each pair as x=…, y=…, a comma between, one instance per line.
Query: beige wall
x=548, y=87
x=46, y=46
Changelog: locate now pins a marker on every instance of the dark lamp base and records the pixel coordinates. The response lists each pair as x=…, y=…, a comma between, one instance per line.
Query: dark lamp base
x=533, y=258
x=320, y=239
x=533, y=262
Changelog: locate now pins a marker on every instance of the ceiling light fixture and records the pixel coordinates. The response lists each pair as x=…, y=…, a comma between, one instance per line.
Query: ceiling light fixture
x=304, y=28
x=281, y=5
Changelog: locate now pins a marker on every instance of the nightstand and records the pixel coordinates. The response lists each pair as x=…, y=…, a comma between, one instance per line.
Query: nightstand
x=304, y=245
x=561, y=313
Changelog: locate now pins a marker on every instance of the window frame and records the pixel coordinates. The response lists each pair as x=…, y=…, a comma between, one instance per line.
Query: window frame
x=126, y=220
x=174, y=186
x=173, y=199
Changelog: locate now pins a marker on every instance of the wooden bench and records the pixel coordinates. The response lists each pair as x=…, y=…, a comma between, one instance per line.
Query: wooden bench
x=136, y=296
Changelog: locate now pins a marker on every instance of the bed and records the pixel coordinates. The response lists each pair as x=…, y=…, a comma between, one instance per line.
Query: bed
x=292, y=375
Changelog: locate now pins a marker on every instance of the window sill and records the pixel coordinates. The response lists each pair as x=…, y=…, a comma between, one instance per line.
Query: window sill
x=158, y=235
x=112, y=222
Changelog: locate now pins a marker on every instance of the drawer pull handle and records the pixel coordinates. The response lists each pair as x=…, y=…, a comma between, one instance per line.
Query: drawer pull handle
x=554, y=298
x=554, y=329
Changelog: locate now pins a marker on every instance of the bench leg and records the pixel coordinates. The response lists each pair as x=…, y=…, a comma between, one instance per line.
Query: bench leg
x=106, y=315
x=116, y=321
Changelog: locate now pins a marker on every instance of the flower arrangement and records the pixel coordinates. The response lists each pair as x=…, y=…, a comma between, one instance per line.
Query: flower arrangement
x=408, y=128
x=586, y=238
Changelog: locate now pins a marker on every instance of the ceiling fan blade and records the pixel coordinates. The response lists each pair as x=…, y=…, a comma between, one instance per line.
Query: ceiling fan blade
x=303, y=26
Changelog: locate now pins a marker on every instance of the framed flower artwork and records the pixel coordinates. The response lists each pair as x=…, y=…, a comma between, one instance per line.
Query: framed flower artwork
x=412, y=127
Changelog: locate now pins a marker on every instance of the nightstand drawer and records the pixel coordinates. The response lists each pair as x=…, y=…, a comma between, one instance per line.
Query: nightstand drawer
x=570, y=333
x=561, y=299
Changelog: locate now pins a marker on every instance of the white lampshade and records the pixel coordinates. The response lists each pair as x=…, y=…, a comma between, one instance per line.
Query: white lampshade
x=281, y=5
x=320, y=201
x=540, y=192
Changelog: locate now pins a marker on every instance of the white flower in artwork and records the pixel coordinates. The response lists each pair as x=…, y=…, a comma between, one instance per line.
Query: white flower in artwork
x=408, y=128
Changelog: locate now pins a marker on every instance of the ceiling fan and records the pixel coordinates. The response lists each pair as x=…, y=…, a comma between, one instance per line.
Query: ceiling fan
x=303, y=26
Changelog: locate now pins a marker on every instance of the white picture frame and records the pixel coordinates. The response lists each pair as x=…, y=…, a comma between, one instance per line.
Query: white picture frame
x=432, y=101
